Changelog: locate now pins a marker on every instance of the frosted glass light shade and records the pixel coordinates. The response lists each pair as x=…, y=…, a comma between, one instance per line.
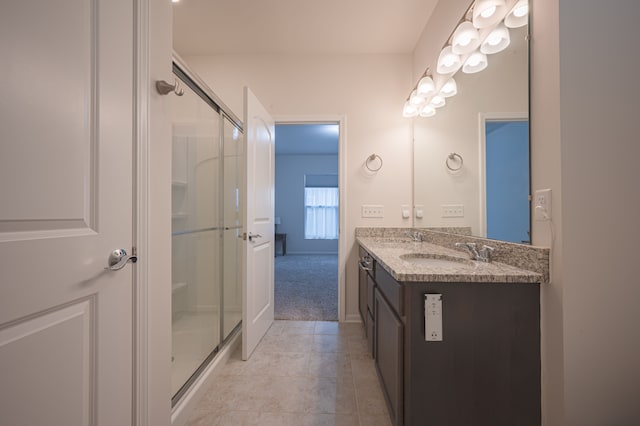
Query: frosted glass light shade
x=476, y=62
x=449, y=89
x=518, y=15
x=416, y=99
x=437, y=101
x=496, y=41
x=488, y=12
x=448, y=61
x=465, y=39
x=427, y=111
x=426, y=86
x=409, y=111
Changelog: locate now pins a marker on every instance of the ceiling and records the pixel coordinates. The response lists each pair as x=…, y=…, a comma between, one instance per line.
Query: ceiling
x=306, y=139
x=213, y=27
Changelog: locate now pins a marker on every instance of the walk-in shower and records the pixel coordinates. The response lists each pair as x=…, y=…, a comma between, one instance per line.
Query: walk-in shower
x=206, y=178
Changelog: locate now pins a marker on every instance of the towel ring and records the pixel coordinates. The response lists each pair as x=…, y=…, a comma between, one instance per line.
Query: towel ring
x=453, y=157
x=371, y=159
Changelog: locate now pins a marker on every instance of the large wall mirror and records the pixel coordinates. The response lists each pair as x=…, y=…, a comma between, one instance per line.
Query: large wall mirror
x=471, y=160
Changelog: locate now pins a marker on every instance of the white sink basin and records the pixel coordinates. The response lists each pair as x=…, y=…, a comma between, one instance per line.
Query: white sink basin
x=440, y=261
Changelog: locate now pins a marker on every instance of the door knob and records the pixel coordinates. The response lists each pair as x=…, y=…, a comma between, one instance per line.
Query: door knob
x=252, y=236
x=119, y=258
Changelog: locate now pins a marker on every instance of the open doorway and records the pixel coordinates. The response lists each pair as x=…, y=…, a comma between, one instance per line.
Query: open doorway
x=307, y=218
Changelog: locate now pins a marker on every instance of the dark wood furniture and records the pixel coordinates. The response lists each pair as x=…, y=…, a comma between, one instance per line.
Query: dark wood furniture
x=485, y=371
x=283, y=239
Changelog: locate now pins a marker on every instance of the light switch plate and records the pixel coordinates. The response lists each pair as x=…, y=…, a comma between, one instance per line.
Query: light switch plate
x=372, y=210
x=453, y=210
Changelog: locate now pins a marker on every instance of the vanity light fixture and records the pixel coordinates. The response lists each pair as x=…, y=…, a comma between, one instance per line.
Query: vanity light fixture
x=449, y=89
x=482, y=30
x=476, y=62
x=497, y=40
x=517, y=16
x=426, y=86
x=488, y=12
x=465, y=39
x=448, y=62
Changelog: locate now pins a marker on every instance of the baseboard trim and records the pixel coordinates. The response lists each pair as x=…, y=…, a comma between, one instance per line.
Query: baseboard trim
x=353, y=318
x=181, y=412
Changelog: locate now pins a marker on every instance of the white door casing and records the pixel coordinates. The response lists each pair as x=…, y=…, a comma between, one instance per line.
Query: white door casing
x=66, y=179
x=258, y=280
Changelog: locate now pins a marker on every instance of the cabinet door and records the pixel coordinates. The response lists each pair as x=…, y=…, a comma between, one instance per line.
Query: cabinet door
x=388, y=345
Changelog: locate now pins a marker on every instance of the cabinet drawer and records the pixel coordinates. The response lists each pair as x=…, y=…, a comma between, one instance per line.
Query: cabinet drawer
x=391, y=289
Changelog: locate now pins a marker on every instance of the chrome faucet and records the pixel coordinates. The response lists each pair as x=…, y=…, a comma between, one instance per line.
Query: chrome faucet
x=482, y=255
x=416, y=236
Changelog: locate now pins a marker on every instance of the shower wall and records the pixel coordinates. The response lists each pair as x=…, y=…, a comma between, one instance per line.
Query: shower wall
x=206, y=226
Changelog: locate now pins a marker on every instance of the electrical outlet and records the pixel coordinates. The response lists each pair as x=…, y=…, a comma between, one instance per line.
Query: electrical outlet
x=542, y=205
x=433, y=317
x=453, y=210
x=372, y=210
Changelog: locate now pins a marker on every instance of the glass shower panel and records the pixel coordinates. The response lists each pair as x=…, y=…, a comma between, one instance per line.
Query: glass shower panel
x=233, y=172
x=196, y=250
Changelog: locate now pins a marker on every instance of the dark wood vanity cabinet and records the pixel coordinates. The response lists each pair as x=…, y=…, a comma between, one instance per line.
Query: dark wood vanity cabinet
x=366, y=286
x=485, y=371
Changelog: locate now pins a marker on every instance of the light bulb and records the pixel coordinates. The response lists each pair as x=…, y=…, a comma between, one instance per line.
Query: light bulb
x=520, y=11
x=488, y=12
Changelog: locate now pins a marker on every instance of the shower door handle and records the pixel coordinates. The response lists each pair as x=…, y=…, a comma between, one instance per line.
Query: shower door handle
x=252, y=236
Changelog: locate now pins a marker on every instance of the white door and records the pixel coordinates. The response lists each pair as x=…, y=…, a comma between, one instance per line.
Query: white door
x=65, y=203
x=258, y=295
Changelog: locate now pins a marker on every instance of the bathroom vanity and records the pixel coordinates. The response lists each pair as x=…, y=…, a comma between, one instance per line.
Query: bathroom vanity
x=481, y=366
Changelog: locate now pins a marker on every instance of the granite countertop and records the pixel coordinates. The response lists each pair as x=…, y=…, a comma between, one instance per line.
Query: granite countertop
x=392, y=253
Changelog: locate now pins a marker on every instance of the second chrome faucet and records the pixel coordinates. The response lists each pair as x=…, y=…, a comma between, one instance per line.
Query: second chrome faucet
x=482, y=255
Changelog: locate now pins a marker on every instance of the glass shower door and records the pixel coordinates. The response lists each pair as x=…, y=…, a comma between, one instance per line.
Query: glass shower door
x=233, y=172
x=196, y=235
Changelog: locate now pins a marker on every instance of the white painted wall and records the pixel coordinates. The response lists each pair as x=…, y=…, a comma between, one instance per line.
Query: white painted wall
x=600, y=134
x=545, y=173
x=290, y=173
x=368, y=89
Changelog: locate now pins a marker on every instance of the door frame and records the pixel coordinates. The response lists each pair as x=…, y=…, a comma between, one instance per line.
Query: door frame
x=341, y=120
x=152, y=230
x=483, y=117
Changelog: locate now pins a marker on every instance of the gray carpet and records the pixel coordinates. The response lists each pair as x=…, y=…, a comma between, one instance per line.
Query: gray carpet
x=306, y=287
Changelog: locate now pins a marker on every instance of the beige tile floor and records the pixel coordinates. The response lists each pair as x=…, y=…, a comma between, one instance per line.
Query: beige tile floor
x=302, y=373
